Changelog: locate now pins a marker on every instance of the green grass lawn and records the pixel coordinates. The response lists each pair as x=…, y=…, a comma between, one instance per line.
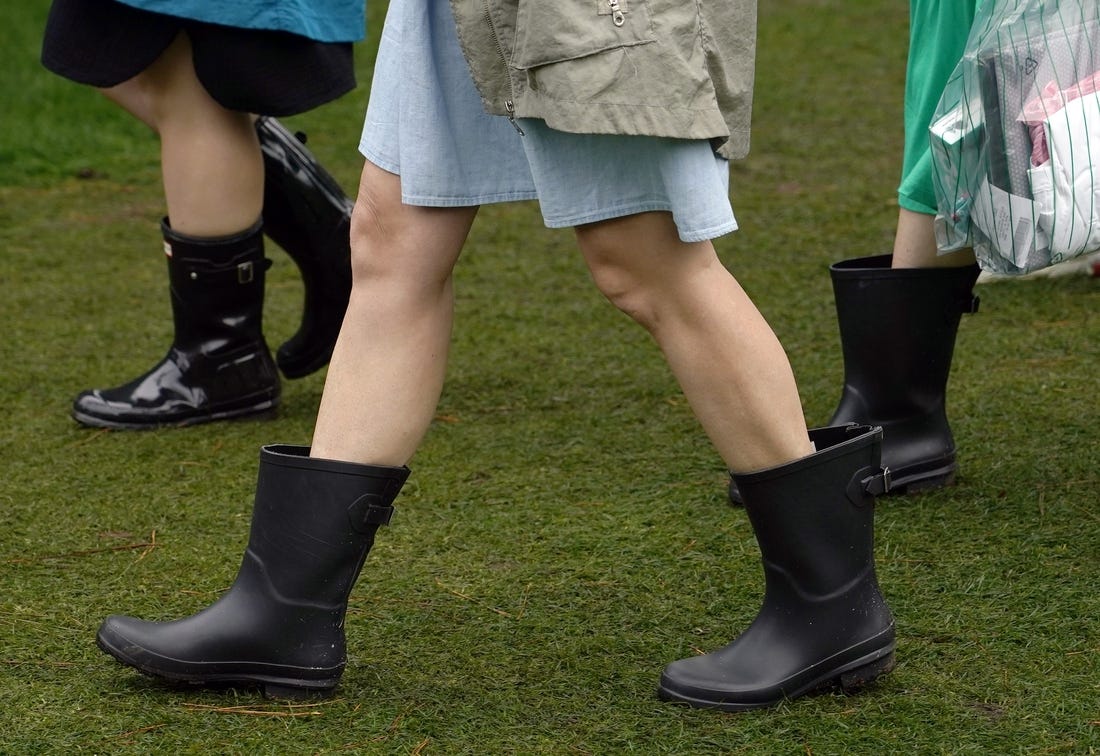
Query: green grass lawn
x=564, y=534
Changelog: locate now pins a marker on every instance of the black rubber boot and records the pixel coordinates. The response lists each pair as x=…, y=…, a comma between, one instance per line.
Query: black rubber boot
x=309, y=216
x=219, y=366
x=897, y=337
x=280, y=626
x=823, y=622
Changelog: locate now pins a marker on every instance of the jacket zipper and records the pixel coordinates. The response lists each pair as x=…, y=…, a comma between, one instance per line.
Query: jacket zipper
x=511, y=108
x=509, y=105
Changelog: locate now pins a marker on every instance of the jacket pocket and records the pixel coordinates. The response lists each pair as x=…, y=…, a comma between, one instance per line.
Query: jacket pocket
x=551, y=31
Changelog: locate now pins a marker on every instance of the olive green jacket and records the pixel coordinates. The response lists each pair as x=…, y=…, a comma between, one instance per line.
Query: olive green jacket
x=674, y=68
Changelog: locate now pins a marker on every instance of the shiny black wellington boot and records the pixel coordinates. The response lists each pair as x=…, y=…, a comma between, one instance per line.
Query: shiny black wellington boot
x=309, y=216
x=897, y=336
x=823, y=623
x=219, y=366
x=280, y=626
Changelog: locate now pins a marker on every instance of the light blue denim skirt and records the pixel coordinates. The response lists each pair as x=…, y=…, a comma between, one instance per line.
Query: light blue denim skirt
x=425, y=123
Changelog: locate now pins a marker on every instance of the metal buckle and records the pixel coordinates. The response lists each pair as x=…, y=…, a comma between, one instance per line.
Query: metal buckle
x=887, y=481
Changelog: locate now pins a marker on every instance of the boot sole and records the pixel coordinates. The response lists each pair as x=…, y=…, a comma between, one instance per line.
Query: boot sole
x=270, y=686
x=925, y=480
x=850, y=678
x=263, y=409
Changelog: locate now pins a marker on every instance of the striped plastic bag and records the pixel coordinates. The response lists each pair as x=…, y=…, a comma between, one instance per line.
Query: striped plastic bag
x=1016, y=137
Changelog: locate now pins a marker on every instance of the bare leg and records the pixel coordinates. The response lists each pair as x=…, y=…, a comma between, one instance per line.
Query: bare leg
x=915, y=244
x=210, y=157
x=387, y=371
x=728, y=361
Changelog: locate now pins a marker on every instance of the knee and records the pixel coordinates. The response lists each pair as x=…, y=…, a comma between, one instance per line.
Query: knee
x=617, y=275
x=397, y=250
x=370, y=238
x=165, y=90
x=138, y=99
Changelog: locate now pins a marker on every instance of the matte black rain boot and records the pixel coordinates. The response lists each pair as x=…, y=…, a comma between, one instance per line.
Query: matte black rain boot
x=219, y=366
x=309, y=216
x=897, y=335
x=280, y=626
x=823, y=622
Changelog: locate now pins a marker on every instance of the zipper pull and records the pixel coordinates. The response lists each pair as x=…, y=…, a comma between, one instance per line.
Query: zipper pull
x=617, y=16
x=511, y=108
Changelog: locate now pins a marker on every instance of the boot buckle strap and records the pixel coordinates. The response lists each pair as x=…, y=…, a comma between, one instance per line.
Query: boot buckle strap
x=241, y=274
x=878, y=485
x=868, y=483
x=368, y=512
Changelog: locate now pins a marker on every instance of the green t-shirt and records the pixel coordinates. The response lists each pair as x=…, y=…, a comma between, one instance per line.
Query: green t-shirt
x=937, y=36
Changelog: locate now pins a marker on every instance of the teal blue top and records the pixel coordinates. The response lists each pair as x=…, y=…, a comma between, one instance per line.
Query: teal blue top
x=322, y=20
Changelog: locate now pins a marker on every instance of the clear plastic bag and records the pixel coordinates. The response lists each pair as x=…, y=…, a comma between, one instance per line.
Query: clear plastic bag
x=1016, y=137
